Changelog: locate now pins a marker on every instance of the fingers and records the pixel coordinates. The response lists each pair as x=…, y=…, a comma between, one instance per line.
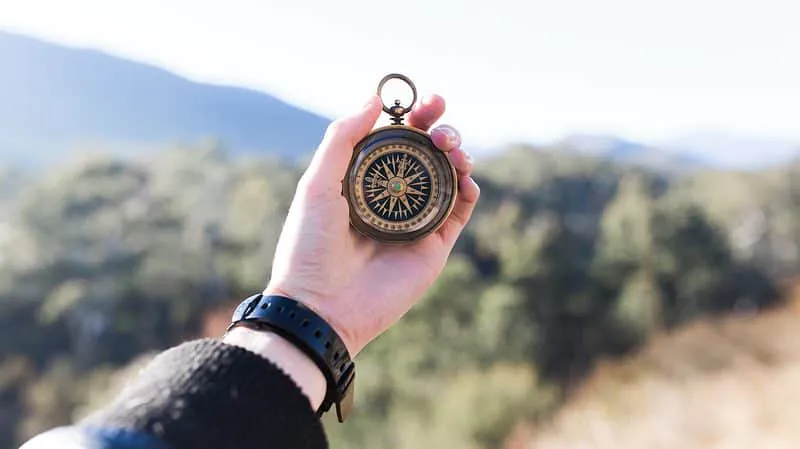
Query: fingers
x=427, y=113
x=330, y=161
x=462, y=161
x=446, y=138
x=468, y=194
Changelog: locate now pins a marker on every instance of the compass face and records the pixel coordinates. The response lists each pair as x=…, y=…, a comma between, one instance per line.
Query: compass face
x=397, y=189
x=396, y=185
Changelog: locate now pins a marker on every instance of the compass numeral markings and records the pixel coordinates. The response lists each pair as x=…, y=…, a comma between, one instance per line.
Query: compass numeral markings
x=372, y=180
x=403, y=165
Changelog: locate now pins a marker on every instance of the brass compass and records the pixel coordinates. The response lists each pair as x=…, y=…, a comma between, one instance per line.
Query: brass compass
x=399, y=186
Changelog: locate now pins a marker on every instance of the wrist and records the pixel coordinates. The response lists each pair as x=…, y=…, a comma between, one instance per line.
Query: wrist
x=286, y=356
x=318, y=304
x=308, y=332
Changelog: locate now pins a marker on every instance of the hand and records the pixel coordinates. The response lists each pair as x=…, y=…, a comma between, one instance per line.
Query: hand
x=362, y=287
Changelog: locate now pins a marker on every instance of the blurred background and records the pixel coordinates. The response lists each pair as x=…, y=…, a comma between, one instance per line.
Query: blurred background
x=629, y=280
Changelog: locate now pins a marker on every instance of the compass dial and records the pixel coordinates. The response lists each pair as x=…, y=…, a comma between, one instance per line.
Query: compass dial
x=396, y=188
x=399, y=186
x=396, y=185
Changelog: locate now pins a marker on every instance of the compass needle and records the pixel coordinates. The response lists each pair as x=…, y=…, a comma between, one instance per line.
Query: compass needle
x=378, y=175
x=389, y=174
x=414, y=191
x=381, y=196
x=410, y=179
x=404, y=200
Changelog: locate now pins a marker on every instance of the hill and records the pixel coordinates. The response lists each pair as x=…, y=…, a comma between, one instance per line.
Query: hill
x=723, y=383
x=53, y=98
x=568, y=259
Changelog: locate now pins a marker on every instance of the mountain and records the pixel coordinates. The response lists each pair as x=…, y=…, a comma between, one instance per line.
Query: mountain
x=709, y=149
x=53, y=98
x=728, y=150
x=633, y=153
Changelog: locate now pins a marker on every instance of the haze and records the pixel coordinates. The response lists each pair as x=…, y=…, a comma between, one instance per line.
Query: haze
x=511, y=70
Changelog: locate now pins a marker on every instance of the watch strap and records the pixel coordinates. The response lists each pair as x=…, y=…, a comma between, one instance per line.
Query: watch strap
x=308, y=331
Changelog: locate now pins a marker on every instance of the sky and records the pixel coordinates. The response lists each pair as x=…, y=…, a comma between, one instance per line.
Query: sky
x=510, y=70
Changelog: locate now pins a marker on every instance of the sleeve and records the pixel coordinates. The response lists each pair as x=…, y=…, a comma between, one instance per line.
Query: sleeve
x=202, y=394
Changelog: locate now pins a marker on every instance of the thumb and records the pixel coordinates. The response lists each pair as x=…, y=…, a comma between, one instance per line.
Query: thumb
x=329, y=164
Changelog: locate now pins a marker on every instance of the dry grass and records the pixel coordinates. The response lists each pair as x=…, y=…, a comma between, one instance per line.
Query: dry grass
x=729, y=383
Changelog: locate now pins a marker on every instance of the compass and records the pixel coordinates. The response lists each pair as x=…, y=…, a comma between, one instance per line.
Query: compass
x=399, y=186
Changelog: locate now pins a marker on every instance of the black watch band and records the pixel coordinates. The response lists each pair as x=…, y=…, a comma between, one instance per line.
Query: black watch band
x=311, y=334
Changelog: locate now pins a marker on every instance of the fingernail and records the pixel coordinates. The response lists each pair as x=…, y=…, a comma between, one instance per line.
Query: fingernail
x=448, y=138
x=450, y=133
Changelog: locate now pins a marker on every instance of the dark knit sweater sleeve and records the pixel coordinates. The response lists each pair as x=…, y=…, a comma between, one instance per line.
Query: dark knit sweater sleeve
x=206, y=394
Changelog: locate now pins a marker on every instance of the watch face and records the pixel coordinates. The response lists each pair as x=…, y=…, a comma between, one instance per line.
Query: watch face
x=400, y=188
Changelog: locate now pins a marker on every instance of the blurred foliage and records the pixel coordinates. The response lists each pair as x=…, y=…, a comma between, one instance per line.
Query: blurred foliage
x=567, y=259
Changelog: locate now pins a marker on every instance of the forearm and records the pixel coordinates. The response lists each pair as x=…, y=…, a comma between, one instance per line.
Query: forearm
x=212, y=394
x=292, y=361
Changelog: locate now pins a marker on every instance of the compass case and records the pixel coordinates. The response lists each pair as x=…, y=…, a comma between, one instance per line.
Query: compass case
x=399, y=186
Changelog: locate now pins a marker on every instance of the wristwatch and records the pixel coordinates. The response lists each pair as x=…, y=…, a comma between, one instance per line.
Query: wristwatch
x=311, y=334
